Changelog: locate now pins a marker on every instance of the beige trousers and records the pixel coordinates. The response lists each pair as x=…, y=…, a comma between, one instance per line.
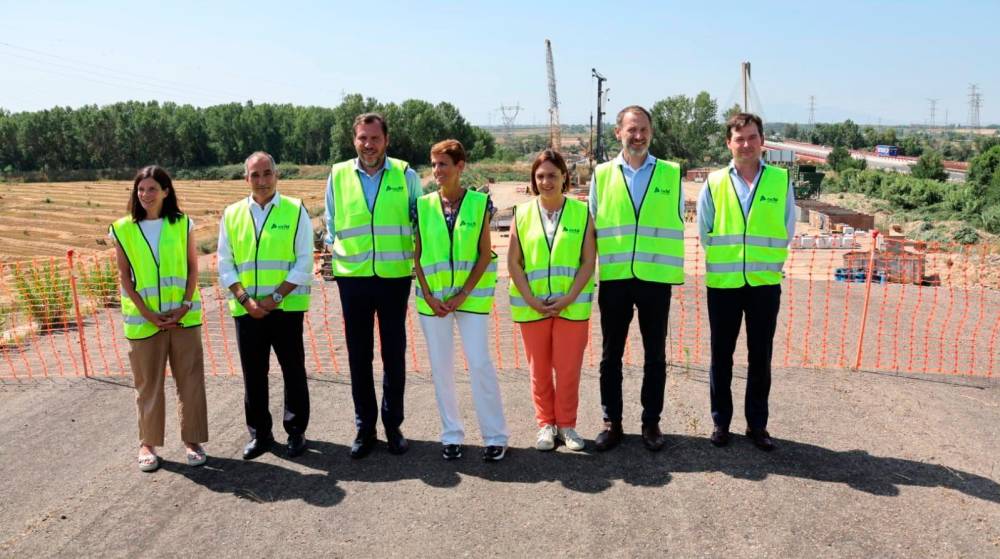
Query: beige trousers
x=182, y=347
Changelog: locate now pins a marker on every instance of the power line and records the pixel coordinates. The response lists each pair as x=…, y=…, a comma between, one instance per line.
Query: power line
x=112, y=73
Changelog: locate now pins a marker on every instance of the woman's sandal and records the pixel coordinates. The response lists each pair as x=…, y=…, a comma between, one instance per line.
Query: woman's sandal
x=149, y=462
x=196, y=457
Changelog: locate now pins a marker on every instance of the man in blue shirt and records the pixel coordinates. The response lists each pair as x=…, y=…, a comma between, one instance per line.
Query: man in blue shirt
x=759, y=304
x=364, y=296
x=619, y=299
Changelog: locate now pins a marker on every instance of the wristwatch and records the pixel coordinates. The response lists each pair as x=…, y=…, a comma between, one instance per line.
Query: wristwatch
x=188, y=304
x=277, y=297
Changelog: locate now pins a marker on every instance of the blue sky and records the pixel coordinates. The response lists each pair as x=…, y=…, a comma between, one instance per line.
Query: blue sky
x=869, y=61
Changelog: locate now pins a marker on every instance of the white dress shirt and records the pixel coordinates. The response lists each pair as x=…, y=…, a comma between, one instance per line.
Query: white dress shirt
x=301, y=272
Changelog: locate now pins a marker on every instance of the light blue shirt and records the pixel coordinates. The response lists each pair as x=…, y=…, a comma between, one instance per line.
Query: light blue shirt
x=637, y=181
x=745, y=192
x=369, y=185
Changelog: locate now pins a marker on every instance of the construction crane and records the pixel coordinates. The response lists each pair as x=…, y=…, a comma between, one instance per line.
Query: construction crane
x=555, y=132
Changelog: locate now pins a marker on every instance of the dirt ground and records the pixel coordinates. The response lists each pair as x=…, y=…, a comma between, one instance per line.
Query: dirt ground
x=867, y=465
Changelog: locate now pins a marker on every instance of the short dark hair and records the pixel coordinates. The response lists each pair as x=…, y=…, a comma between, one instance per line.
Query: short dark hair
x=451, y=148
x=635, y=109
x=255, y=155
x=368, y=118
x=170, y=209
x=557, y=159
x=739, y=120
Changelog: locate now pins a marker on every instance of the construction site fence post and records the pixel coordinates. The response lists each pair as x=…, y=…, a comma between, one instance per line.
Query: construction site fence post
x=868, y=295
x=71, y=272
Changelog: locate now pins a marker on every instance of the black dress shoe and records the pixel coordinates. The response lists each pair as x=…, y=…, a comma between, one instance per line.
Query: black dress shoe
x=761, y=439
x=610, y=437
x=720, y=437
x=256, y=447
x=363, y=445
x=296, y=445
x=396, y=441
x=652, y=438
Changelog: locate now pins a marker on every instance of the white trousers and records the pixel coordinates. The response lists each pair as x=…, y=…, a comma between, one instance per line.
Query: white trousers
x=440, y=335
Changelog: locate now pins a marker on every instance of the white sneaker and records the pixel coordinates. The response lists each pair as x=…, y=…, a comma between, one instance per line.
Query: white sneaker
x=546, y=438
x=573, y=441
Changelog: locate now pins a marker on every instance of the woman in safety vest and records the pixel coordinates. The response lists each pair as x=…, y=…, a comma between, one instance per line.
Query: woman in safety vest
x=551, y=259
x=456, y=274
x=161, y=309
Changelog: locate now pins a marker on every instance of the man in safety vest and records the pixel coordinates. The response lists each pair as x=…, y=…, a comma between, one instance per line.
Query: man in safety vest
x=369, y=204
x=265, y=259
x=637, y=205
x=746, y=219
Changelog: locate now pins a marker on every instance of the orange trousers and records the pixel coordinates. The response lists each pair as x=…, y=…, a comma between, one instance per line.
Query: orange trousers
x=555, y=344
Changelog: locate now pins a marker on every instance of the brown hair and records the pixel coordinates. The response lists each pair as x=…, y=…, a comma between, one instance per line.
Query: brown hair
x=368, y=118
x=170, y=211
x=635, y=109
x=557, y=160
x=739, y=120
x=451, y=148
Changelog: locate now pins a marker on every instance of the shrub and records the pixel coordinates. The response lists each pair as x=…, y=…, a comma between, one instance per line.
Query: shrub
x=966, y=235
x=100, y=282
x=44, y=290
x=991, y=219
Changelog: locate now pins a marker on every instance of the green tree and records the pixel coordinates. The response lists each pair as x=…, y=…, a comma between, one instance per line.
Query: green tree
x=929, y=166
x=983, y=180
x=839, y=158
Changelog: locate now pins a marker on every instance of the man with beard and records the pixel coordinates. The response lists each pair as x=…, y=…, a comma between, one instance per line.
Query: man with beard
x=369, y=202
x=637, y=206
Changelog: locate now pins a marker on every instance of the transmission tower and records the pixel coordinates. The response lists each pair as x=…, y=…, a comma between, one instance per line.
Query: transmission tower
x=933, y=103
x=599, y=155
x=975, y=103
x=812, y=109
x=555, y=133
x=508, y=114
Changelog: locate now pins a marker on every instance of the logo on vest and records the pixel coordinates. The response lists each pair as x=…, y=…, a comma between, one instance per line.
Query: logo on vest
x=658, y=190
x=391, y=188
x=573, y=230
x=463, y=223
x=768, y=199
x=281, y=226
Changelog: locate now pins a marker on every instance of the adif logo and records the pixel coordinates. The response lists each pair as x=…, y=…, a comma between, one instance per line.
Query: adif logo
x=391, y=188
x=571, y=230
x=769, y=199
x=282, y=226
x=658, y=190
x=463, y=223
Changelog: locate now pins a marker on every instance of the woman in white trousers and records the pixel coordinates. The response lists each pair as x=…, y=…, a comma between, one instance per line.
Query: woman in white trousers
x=456, y=275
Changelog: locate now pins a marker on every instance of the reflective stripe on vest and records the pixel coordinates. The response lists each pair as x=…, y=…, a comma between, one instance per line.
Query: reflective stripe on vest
x=263, y=261
x=551, y=270
x=446, y=265
x=752, y=251
x=651, y=247
x=367, y=243
x=160, y=285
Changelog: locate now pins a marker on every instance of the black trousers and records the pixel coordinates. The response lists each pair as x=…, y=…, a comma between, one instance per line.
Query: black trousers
x=255, y=338
x=616, y=300
x=726, y=309
x=362, y=299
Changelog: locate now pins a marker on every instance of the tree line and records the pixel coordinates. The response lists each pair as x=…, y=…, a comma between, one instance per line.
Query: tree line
x=131, y=134
x=976, y=201
x=950, y=144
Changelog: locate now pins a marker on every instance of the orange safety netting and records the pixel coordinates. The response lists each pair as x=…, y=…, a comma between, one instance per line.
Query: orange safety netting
x=894, y=306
